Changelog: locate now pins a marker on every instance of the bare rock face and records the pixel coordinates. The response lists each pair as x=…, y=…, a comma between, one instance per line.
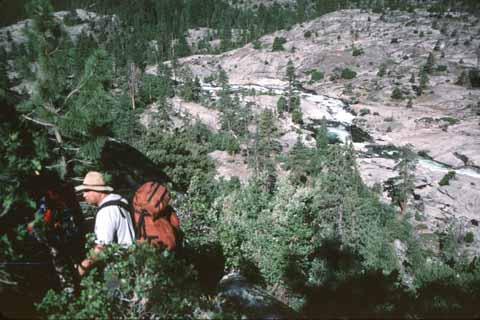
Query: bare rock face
x=229, y=166
x=250, y=301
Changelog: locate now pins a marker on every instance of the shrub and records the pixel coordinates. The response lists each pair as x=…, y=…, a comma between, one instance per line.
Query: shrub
x=316, y=75
x=397, y=94
x=257, y=45
x=446, y=178
x=442, y=68
x=137, y=282
x=474, y=77
x=449, y=120
x=382, y=70
x=357, y=51
x=469, y=237
x=72, y=18
x=307, y=34
x=278, y=43
x=348, y=74
x=462, y=79
x=364, y=111
x=297, y=116
x=388, y=119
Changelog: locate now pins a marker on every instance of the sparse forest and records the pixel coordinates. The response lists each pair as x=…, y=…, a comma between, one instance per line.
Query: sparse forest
x=304, y=227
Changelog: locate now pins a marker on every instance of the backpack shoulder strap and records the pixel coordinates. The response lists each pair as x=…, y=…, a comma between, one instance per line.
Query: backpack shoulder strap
x=119, y=203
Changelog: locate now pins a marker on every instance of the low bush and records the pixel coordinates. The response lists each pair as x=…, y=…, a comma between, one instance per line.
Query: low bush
x=278, y=43
x=316, y=75
x=445, y=181
x=397, y=94
x=469, y=237
x=138, y=282
x=442, y=68
x=364, y=111
x=357, y=51
x=348, y=74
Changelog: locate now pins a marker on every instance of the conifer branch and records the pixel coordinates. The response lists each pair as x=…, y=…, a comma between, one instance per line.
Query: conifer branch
x=8, y=282
x=80, y=86
x=49, y=107
x=42, y=123
x=52, y=52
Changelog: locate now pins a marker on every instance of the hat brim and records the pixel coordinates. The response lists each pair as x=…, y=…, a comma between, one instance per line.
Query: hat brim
x=83, y=187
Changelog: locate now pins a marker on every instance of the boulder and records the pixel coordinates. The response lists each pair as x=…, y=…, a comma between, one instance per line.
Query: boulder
x=251, y=301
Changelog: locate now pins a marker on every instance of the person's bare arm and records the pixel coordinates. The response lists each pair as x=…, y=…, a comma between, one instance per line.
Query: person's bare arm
x=87, y=264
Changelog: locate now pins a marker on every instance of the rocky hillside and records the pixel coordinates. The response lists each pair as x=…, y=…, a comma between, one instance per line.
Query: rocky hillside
x=363, y=70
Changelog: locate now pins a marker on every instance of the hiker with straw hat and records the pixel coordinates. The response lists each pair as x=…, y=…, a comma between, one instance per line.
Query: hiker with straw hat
x=113, y=222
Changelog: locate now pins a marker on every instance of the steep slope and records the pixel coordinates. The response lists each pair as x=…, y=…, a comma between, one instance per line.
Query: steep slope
x=387, y=54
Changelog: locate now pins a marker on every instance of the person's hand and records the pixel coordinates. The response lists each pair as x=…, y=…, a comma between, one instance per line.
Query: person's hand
x=81, y=269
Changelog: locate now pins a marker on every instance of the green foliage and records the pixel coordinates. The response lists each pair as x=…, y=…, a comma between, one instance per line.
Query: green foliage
x=423, y=81
x=224, y=141
x=154, y=88
x=257, y=45
x=23, y=152
x=235, y=116
x=287, y=235
x=136, y=282
x=72, y=18
x=266, y=146
x=412, y=78
x=445, y=181
x=318, y=238
x=442, y=68
x=297, y=116
x=278, y=43
x=191, y=89
x=321, y=135
x=469, y=237
x=316, y=75
x=348, y=74
x=364, y=112
x=428, y=66
x=397, y=94
x=180, y=154
x=447, y=290
x=400, y=188
x=357, y=51
x=474, y=78
x=382, y=70
x=282, y=105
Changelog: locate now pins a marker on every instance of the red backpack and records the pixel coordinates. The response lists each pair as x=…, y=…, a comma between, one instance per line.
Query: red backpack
x=155, y=220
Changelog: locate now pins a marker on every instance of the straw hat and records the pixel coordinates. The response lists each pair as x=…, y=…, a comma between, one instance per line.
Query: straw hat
x=94, y=182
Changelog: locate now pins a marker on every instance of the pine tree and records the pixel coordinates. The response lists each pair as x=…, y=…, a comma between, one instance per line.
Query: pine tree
x=423, y=81
x=281, y=105
x=266, y=145
x=400, y=188
x=412, y=78
x=428, y=67
x=321, y=135
x=49, y=43
x=225, y=101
